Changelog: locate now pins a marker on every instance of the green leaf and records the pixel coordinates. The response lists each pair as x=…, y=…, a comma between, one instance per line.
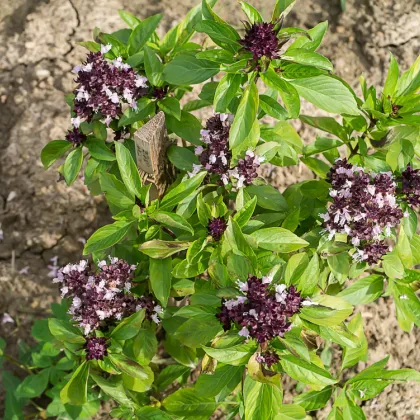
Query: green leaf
x=262, y=401
x=33, y=385
x=53, y=150
x=282, y=8
x=316, y=34
x=128, y=170
x=243, y=216
x=321, y=144
x=188, y=127
x=287, y=91
x=172, y=220
x=283, y=132
x=142, y=33
x=327, y=93
x=99, y=150
x=224, y=379
x=196, y=332
x=186, y=402
x=339, y=265
x=115, y=191
x=107, y=236
x=328, y=124
x=406, y=301
x=153, y=67
x=179, y=352
x=278, y=239
x=221, y=34
x=169, y=375
x=309, y=279
x=245, y=116
x=114, y=388
x=315, y=189
x=308, y=58
x=351, y=356
x=160, y=278
x=351, y=411
x=392, y=77
x=145, y=346
x=330, y=311
x=268, y=197
x=185, y=69
x=182, y=158
x=226, y=90
x=314, y=400
x=162, y=249
x=72, y=165
x=130, y=367
x=318, y=166
x=75, y=391
x=145, y=107
x=306, y=372
x=152, y=413
x=181, y=191
x=365, y=290
x=393, y=265
x=409, y=81
x=271, y=107
x=64, y=331
x=251, y=13
x=129, y=19
x=400, y=154
x=129, y=326
x=236, y=355
x=171, y=106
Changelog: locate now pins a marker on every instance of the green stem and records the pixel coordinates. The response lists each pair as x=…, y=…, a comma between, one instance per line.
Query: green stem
x=16, y=363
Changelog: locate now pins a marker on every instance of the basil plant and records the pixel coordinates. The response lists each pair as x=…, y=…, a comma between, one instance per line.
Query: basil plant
x=202, y=297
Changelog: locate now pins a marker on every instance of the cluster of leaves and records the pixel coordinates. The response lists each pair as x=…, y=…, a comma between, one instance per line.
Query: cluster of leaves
x=187, y=367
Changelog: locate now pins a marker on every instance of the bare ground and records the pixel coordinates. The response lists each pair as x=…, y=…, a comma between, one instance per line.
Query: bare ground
x=42, y=218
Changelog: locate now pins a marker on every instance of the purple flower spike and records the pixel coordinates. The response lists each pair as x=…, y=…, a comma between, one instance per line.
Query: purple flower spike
x=261, y=40
x=364, y=207
x=264, y=312
x=216, y=227
x=104, y=86
x=410, y=180
x=96, y=348
x=103, y=297
x=75, y=136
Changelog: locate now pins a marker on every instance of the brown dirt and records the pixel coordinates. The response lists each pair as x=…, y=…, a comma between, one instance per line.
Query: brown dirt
x=42, y=218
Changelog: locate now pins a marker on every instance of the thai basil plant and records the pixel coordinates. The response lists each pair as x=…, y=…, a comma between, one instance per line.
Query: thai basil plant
x=206, y=298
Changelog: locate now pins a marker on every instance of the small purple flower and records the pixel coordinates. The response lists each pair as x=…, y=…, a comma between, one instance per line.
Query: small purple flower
x=263, y=313
x=216, y=227
x=96, y=348
x=261, y=40
x=269, y=358
x=410, y=188
x=215, y=154
x=75, y=136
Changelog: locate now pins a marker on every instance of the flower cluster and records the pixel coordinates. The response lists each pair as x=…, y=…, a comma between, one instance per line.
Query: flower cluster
x=264, y=312
x=96, y=348
x=261, y=40
x=215, y=155
x=217, y=227
x=102, y=296
x=364, y=207
x=410, y=185
x=103, y=87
